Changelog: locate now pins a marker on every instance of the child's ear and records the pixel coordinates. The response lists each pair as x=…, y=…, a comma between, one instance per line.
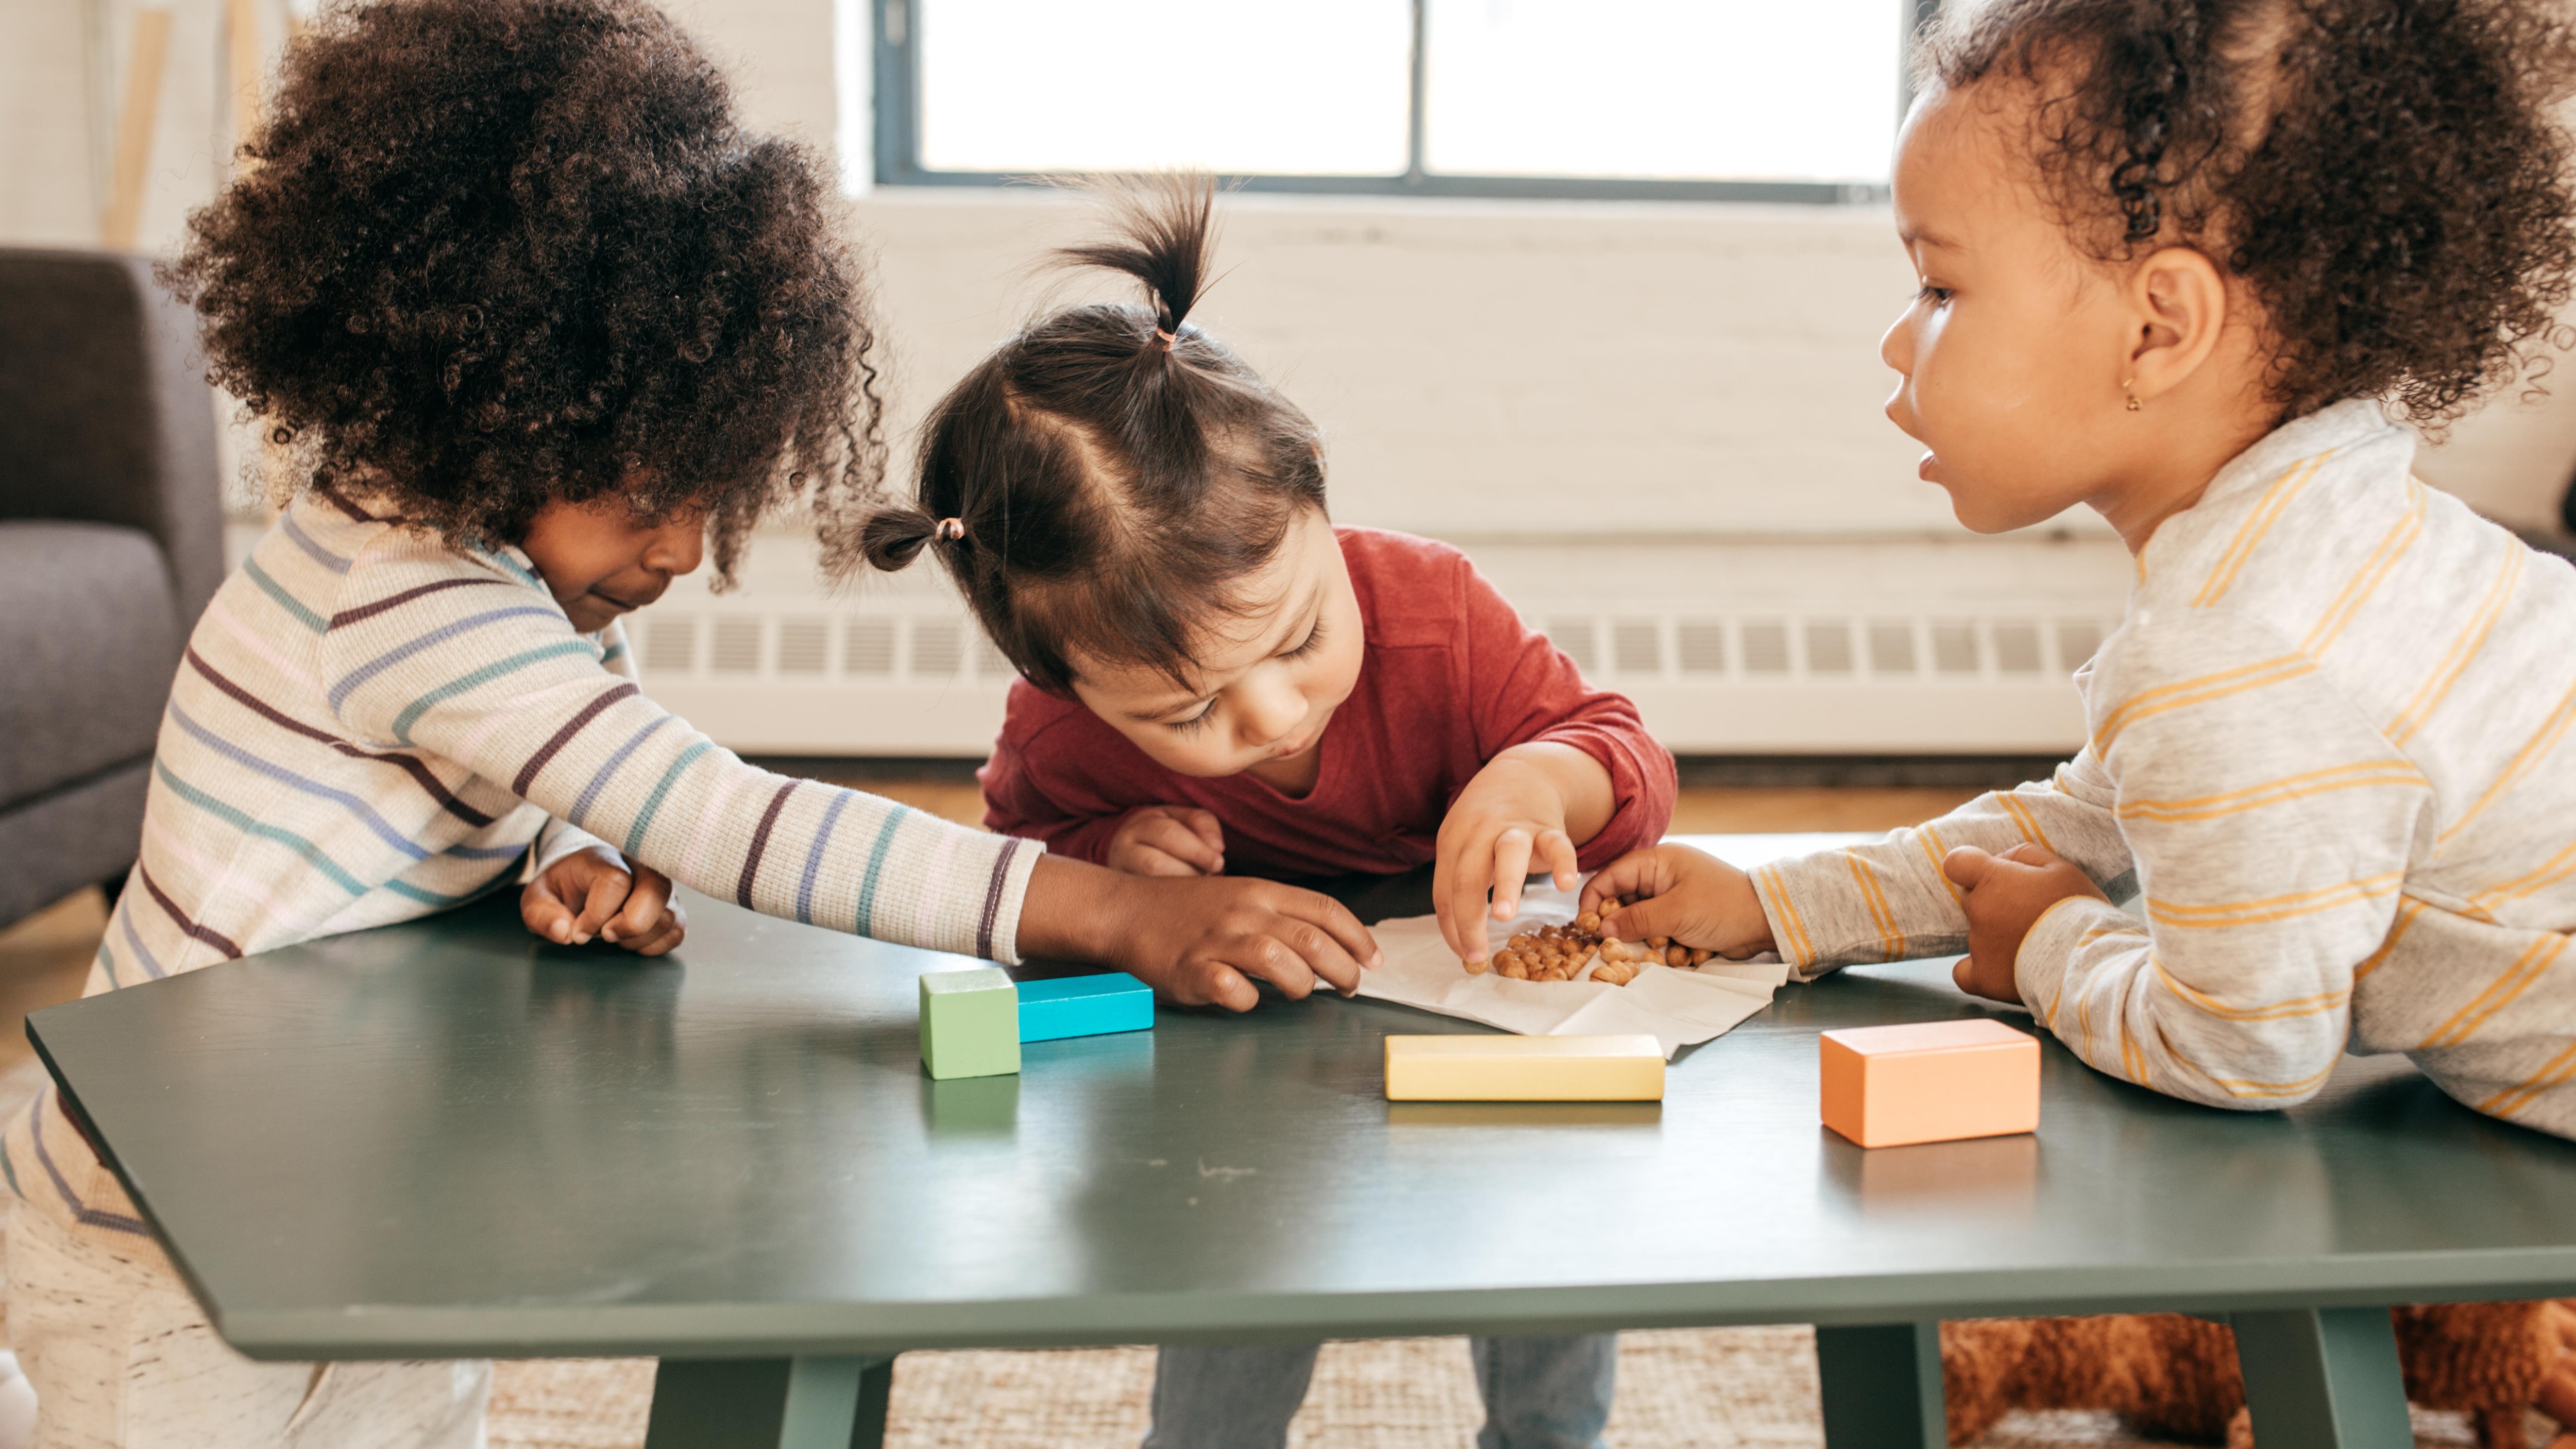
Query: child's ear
x=2180, y=304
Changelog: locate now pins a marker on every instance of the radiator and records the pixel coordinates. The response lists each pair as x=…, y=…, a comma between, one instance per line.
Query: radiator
x=1767, y=646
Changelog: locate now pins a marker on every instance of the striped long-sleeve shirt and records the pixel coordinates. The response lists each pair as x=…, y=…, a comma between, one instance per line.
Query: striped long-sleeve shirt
x=2329, y=751
x=369, y=725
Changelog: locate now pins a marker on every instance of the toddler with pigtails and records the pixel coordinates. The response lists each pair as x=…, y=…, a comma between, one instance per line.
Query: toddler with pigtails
x=2196, y=264
x=1218, y=680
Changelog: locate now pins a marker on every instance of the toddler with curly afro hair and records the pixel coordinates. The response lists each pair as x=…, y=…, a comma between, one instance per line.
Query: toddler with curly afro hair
x=487, y=255
x=2194, y=264
x=535, y=324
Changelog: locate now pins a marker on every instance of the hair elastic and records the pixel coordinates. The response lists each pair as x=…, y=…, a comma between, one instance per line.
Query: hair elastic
x=1170, y=339
x=951, y=529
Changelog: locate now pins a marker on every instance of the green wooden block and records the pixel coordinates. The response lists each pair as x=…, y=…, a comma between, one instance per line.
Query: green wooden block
x=970, y=1023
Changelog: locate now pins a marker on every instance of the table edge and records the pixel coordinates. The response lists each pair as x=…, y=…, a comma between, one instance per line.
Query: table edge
x=771, y=1329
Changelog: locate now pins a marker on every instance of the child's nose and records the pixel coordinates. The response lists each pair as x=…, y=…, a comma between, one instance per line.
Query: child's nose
x=1271, y=708
x=1896, y=349
x=678, y=549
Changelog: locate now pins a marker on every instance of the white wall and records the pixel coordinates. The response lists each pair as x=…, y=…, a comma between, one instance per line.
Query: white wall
x=1689, y=392
x=46, y=165
x=1511, y=368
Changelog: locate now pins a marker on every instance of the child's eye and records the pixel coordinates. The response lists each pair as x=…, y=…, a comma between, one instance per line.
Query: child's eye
x=1195, y=722
x=1314, y=641
x=1937, y=296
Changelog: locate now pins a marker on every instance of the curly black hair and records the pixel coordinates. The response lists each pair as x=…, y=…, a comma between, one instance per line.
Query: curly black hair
x=485, y=255
x=2386, y=176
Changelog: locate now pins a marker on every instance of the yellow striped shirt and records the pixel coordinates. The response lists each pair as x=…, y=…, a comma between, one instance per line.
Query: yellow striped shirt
x=2329, y=749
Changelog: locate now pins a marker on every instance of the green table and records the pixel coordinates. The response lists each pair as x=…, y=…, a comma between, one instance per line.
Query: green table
x=448, y=1140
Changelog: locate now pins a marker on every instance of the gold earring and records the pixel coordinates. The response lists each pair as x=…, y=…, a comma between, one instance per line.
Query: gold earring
x=2133, y=397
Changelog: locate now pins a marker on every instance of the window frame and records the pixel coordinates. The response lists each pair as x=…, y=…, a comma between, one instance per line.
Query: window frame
x=895, y=104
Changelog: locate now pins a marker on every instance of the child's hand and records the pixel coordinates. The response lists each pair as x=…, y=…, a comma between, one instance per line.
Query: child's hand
x=1509, y=821
x=1688, y=895
x=1167, y=840
x=1199, y=942
x=2005, y=896
x=597, y=892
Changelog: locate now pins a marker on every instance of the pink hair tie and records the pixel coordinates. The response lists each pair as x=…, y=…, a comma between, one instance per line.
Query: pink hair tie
x=951, y=529
x=1169, y=338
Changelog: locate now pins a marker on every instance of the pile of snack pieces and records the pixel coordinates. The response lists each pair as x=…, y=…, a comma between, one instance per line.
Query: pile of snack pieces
x=1559, y=953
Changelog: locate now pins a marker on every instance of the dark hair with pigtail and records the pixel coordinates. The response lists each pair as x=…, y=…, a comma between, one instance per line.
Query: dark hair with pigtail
x=2386, y=176
x=1100, y=484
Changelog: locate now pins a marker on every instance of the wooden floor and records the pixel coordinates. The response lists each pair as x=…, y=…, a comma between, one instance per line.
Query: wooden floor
x=44, y=959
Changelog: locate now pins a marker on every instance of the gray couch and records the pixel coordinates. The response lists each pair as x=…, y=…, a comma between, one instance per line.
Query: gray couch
x=111, y=541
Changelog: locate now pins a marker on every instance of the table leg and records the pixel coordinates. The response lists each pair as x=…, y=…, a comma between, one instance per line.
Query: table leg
x=770, y=1403
x=1882, y=1386
x=2323, y=1378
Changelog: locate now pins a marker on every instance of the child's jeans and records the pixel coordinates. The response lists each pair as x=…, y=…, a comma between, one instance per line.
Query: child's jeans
x=1540, y=1393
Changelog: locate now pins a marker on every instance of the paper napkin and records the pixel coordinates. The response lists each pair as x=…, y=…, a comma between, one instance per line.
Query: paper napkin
x=1678, y=1008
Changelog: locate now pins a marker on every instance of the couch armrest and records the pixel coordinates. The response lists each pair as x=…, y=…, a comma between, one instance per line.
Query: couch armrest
x=105, y=415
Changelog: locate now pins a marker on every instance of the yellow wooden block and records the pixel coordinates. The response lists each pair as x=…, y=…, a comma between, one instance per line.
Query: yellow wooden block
x=1524, y=1069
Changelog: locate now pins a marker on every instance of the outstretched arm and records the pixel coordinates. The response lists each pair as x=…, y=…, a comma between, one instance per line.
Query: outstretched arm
x=1890, y=899
x=484, y=670
x=1571, y=778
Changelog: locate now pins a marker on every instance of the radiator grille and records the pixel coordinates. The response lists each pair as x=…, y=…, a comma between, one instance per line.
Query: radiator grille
x=1693, y=650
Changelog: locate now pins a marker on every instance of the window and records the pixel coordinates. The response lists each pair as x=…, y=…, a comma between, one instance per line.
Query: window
x=1685, y=99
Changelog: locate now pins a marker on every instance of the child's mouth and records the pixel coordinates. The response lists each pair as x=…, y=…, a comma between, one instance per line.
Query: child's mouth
x=1923, y=467
x=1302, y=743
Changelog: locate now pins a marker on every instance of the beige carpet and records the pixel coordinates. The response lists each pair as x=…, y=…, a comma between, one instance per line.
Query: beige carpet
x=1740, y=1388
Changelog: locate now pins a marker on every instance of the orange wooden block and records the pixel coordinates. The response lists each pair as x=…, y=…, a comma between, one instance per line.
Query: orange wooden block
x=1885, y=1086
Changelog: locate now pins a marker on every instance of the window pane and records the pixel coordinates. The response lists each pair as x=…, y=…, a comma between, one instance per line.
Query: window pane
x=1301, y=86
x=1728, y=89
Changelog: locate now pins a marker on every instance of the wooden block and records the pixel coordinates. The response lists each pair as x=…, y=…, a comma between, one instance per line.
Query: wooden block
x=1524, y=1069
x=1885, y=1086
x=1084, y=1006
x=970, y=1023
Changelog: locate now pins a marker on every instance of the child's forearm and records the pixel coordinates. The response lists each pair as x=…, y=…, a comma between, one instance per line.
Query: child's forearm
x=1580, y=781
x=1889, y=899
x=1071, y=910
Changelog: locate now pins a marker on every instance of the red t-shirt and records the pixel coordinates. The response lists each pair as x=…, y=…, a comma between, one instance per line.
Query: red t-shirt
x=1452, y=677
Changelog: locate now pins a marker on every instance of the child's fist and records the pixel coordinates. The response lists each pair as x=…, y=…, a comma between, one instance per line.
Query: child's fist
x=1687, y=895
x=2005, y=895
x=1167, y=840
x=597, y=892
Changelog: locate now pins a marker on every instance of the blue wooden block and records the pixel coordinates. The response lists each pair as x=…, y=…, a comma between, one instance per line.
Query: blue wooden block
x=1084, y=1006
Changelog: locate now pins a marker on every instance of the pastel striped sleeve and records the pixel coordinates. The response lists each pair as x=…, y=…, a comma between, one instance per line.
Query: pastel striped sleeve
x=1888, y=900
x=2272, y=824
x=496, y=680
x=558, y=838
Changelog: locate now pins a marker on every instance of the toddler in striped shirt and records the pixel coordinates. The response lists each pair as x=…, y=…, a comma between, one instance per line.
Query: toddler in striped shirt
x=537, y=326
x=2183, y=263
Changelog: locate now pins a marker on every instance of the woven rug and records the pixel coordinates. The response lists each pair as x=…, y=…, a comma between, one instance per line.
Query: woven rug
x=1735, y=1388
